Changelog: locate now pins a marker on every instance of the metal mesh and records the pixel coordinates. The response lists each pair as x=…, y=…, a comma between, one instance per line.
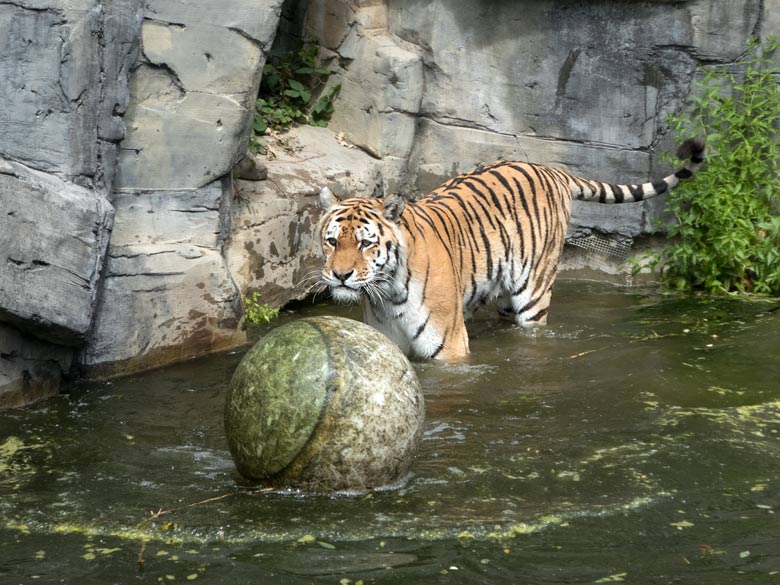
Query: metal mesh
x=617, y=248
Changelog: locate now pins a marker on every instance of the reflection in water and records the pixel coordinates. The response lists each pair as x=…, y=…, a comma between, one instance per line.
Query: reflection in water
x=636, y=436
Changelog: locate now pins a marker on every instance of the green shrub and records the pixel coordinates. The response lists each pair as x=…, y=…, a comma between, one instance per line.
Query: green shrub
x=288, y=90
x=727, y=237
x=256, y=313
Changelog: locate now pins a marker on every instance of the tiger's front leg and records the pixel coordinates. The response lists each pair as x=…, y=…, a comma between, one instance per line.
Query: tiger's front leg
x=441, y=333
x=433, y=313
x=436, y=331
x=456, y=345
x=445, y=343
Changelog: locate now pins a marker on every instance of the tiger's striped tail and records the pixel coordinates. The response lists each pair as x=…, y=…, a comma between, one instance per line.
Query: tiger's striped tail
x=691, y=150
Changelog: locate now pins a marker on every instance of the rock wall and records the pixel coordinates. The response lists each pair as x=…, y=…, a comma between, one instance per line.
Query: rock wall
x=64, y=66
x=274, y=247
x=435, y=88
x=121, y=122
x=125, y=243
x=168, y=293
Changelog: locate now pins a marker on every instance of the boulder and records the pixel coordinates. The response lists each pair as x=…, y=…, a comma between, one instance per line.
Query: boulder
x=65, y=67
x=193, y=92
x=274, y=247
x=167, y=293
x=53, y=238
x=380, y=97
x=324, y=404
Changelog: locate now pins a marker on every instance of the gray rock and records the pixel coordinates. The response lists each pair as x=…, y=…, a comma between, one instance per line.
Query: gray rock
x=551, y=82
x=193, y=92
x=720, y=29
x=324, y=404
x=770, y=19
x=626, y=219
x=380, y=96
x=53, y=238
x=274, y=247
x=121, y=34
x=467, y=148
x=558, y=70
x=30, y=369
x=165, y=218
x=49, y=93
x=329, y=22
x=65, y=67
x=167, y=294
x=255, y=20
x=160, y=306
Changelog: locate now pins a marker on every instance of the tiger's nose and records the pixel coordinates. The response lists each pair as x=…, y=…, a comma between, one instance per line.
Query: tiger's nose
x=342, y=276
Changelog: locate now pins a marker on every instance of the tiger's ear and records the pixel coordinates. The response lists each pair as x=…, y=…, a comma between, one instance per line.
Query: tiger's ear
x=394, y=207
x=327, y=199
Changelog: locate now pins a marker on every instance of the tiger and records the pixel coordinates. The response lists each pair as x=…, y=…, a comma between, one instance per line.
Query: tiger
x=422, y=268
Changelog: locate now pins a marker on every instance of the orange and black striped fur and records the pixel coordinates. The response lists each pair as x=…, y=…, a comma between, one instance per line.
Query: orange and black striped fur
x=422, y=268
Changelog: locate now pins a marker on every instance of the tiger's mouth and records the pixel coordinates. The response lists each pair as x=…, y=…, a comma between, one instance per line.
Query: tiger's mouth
x=343, y=293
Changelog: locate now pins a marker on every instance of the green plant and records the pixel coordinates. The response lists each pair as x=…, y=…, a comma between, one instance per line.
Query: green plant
x=727, y=235
x=292, y=92
x=646, y=260
x=256, y=313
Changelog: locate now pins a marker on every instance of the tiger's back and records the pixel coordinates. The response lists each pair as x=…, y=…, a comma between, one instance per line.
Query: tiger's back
x=507, y=223
x=497, y=233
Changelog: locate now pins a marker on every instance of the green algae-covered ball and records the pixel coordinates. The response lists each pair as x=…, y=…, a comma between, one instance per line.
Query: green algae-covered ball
x=322, y=404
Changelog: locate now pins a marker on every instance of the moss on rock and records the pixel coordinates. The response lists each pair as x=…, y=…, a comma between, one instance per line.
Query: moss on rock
x=323, y=404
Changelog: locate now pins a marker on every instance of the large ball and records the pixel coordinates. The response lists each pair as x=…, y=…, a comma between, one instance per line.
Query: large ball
x=324, y=403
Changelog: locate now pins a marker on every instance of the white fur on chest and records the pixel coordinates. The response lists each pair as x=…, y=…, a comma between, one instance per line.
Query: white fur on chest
x=407, y=324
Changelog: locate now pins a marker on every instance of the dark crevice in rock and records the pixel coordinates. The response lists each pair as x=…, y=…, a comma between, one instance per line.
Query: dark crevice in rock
x=169, y=72
x=37, y=9
x=260, y=45
x=756, y=33
x=197, y=209
x=144, y=274
x=694, y=54
x=166, y=23
x=115, y=254
x=462, y=123
x=565, y=74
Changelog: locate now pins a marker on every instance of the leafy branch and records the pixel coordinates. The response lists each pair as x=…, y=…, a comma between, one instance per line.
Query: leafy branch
x=293, y=91
x=258, y=314
x=727, y=235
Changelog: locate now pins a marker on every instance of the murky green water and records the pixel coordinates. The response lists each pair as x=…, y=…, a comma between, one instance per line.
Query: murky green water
x=635, y=439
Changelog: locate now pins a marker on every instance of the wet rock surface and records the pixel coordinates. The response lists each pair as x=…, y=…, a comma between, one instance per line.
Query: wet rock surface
x=274, y=248
x=323, y=404
x=167, y=293
x=146, y=107
x=53, y=237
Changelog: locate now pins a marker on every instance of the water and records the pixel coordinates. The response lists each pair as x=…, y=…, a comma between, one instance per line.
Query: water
x=634, y=439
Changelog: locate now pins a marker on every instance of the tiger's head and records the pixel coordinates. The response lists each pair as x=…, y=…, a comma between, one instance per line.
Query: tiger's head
x=361, y=243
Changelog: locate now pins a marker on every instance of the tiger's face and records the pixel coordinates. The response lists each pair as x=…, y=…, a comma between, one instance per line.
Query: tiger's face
x=360, y=244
